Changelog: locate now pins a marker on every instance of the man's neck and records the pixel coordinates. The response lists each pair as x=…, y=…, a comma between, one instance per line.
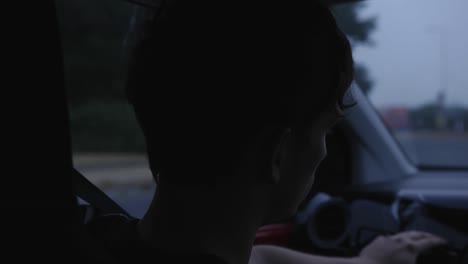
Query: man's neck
x=184, y=221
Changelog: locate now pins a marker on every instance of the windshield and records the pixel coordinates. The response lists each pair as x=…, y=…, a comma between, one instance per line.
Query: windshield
x=411, y=62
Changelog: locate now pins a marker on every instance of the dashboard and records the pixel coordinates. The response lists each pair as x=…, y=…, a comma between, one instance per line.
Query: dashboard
x=341, y=225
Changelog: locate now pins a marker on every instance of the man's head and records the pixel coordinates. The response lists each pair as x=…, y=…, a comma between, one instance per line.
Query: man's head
x=220, y=89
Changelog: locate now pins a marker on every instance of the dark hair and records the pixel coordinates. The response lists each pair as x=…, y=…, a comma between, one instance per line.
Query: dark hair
x=212, y=75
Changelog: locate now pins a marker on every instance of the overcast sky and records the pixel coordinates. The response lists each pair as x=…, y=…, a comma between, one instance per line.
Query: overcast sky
x=405, y=61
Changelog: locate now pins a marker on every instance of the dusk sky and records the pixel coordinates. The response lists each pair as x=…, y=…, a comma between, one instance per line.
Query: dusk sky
x=418, y=45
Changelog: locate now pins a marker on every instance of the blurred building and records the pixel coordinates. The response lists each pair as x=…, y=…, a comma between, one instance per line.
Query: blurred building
x=396, y=118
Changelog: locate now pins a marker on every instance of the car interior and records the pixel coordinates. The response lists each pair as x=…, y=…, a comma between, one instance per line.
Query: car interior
x=366, y=187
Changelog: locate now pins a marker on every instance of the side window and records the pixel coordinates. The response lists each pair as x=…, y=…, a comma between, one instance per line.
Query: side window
x=108, y=146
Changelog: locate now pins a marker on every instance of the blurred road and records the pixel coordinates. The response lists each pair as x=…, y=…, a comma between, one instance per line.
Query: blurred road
x=440, y=150
x=125, y=178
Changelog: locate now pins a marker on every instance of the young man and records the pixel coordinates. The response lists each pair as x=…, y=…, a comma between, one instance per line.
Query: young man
x=235, y=99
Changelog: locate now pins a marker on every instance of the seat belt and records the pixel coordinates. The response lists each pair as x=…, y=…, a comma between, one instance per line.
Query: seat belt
x=87, y=191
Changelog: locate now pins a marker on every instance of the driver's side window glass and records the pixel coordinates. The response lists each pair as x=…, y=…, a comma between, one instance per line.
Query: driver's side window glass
x=108, y=146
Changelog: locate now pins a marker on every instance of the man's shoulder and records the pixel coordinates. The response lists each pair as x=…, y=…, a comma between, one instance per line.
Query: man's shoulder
x=118, y=234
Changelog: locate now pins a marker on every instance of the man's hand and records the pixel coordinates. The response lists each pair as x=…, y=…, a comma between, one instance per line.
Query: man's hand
x=402, y=248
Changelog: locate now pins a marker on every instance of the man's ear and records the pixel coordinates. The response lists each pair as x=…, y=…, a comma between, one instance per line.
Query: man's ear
x=279, y=154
